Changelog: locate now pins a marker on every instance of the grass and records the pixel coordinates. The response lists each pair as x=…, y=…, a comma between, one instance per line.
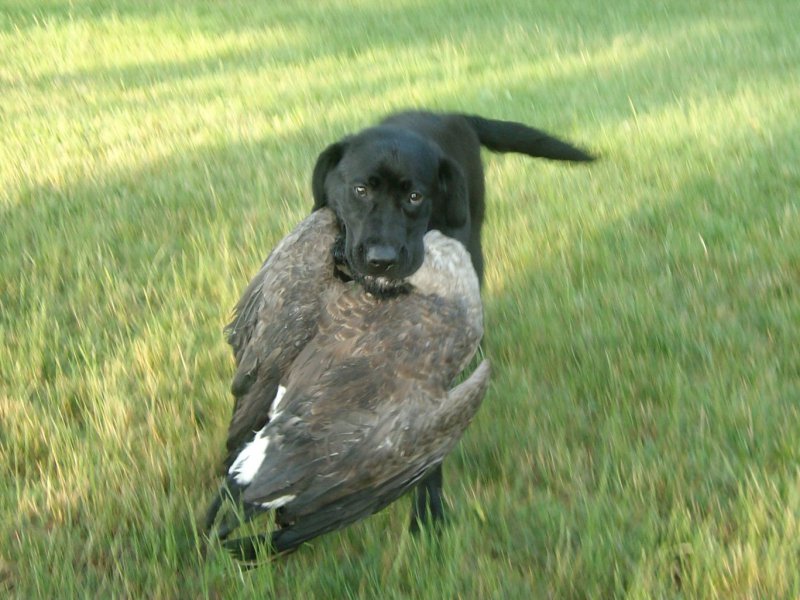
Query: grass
x=640, y=435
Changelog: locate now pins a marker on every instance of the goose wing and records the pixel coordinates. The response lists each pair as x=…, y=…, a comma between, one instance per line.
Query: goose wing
x=358, y=397
x=393, y=459
x=275, y=319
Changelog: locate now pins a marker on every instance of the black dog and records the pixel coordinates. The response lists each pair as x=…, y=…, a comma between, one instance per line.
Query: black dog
x=417, y=171
x=413, y=172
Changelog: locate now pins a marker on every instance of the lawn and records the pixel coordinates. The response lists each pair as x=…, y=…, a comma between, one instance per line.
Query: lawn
x=641, y=436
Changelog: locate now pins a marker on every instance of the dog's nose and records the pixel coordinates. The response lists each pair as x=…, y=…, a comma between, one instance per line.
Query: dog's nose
x=381, y=256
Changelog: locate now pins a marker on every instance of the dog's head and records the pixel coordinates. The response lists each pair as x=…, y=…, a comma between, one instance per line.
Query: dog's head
x=384, y=183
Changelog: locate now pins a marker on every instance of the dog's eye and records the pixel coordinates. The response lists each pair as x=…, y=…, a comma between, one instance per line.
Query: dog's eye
x=360, y=190
x=415, y=198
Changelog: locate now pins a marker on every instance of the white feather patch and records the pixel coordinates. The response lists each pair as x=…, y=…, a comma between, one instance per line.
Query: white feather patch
x=249, y=460
x=273, y=410
x=278, y=502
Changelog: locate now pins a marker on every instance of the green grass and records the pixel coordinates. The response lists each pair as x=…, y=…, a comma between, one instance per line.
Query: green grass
x=640, y=437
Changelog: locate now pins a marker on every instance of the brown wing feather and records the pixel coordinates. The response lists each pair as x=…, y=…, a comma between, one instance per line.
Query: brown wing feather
x=275, y=319
x=422, y=336
x=385, y=474
x=352, y=407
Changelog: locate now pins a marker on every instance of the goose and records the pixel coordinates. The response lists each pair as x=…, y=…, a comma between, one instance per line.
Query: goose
x=363, y=412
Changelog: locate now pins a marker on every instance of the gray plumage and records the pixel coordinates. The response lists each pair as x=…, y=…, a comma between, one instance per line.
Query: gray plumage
x=367, y=411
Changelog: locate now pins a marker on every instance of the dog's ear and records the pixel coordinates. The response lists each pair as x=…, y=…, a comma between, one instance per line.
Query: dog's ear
x=453, y=186
x=326, y=161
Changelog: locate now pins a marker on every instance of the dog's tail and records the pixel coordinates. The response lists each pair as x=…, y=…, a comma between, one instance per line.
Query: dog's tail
x=508, y=136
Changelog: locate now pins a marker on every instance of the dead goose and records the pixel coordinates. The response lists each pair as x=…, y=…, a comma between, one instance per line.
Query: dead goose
x=275, y=318
x=366, y=412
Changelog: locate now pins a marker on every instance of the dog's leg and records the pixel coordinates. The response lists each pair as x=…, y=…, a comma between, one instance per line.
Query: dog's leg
x=428, y=501
x=419, y=507
x=435, y=498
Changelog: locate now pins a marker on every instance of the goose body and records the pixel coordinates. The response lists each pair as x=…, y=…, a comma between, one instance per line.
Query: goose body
x=363, y=410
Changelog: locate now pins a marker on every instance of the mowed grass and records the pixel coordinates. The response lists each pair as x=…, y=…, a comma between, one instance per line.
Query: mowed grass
x=640, y=437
